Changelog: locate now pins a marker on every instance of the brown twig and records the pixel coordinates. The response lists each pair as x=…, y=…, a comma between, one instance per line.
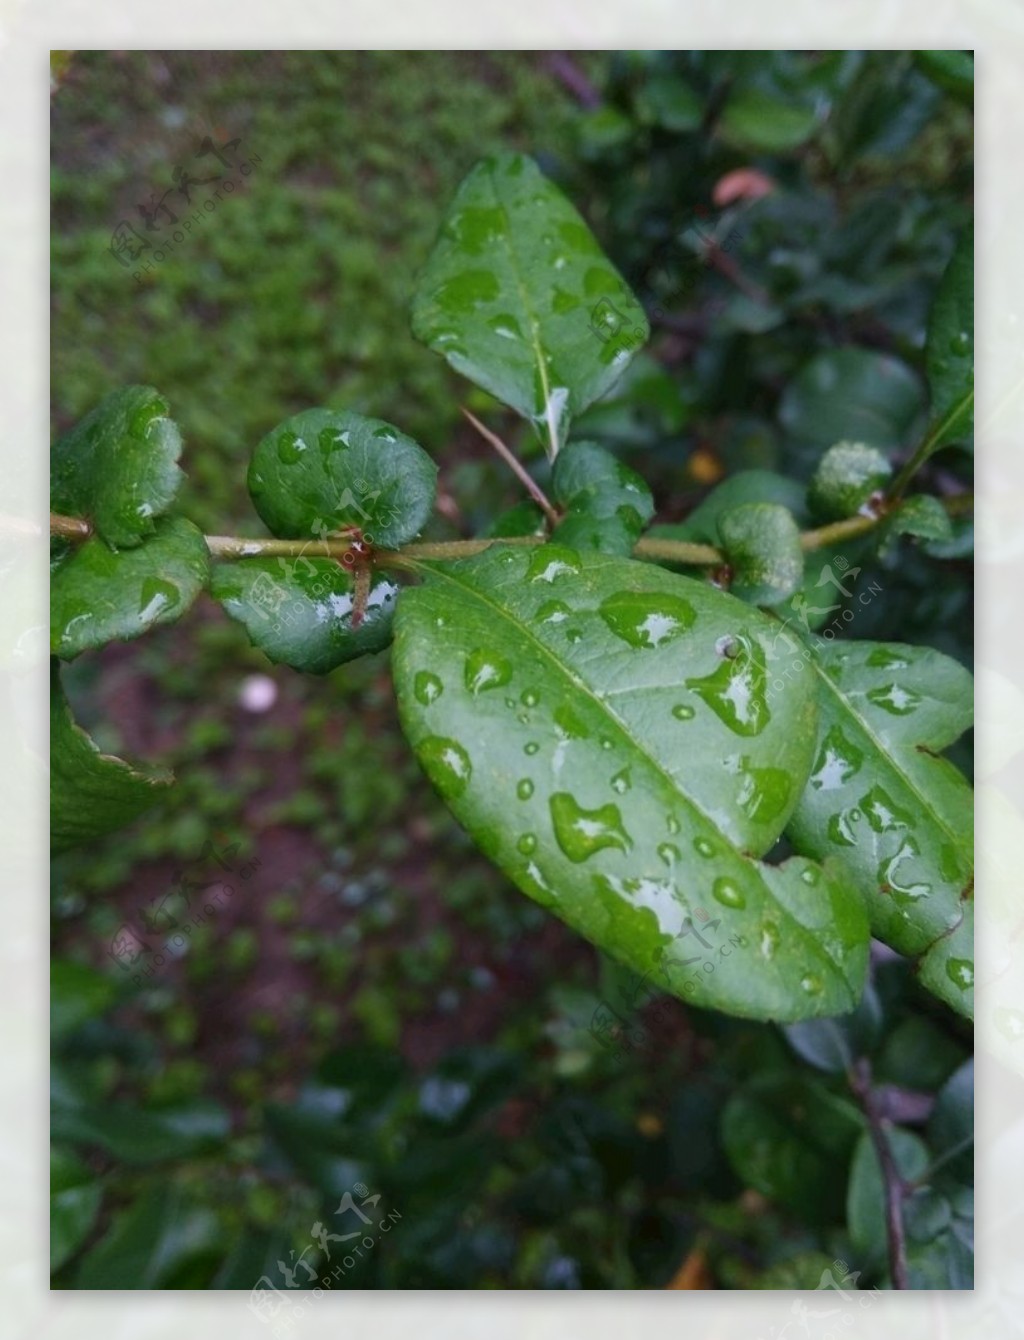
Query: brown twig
x=892, y=1181
x=567, y=72
x=532, y=487
x=69, y=527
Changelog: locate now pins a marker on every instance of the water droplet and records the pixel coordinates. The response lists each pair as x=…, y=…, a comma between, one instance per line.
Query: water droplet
x=530, y=698
x=811, y=984
x=506, y=326
x=668, y=853
x=157, y=597
x=605, y=742
x=524, y=789
x=552, y=561
x=737, y=692
x=289, y=448
x=143, y=418
x=330, y=440
x=570, y=723
x=683, y=712
x=427, y=687
x=882, y=812
x=531, y=748
x=447, y=765
x=886, y=659
x=764, y=792
x=581, y=833
x=897, y=701
x=703, y=847
x=672, y=824
x=770, y=938
x=573, y=635
x=486, y=670
x=961, y=344
x=527, y=844
x=646, y=621
x=728, y=647
x=553, y=611
x=621, y=782
x=838, y=760
x=727, y=893
x=810, y=875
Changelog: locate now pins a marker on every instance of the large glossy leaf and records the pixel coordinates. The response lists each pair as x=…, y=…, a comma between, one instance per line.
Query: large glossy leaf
x=118, y=466
x=325, y=469
x=949, y=352
x=299, y=611
x=609, y=735
x=90, y=793
x=880, y=797
x=518, y=296
x=99, y=595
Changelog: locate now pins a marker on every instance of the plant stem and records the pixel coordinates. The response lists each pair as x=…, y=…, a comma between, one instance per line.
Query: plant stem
x=530, y=484
x=69, y=527
x=927, y=446
x=892, y=1181
x=684, y=552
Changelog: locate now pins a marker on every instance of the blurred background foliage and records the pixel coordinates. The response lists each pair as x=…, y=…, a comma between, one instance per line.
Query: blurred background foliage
x=371, y=1005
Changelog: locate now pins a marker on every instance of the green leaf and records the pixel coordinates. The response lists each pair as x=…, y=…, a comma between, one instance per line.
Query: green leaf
x=865, y=1196
x=669, y=102
x=846, y=477
x=90, y=793
x=851, y=395
x=299, y=611
x=758, y=122
x=524, y=518
x=149, y=1241
x=951, y=1125
x=790, y=1138
x=75, y=1197
x=951, y=70
x=607, y=504
x=143, y=1135
x=518, y=296
x=101, y=595
x=117, y=467
x=947, y=968
x=922, y=516
x=762, y=544
x=834, y=1044
x=746, y=486
x=78, y=993
x=880, y=798
x=609, y=735
x=949, y=350
x=324, y=469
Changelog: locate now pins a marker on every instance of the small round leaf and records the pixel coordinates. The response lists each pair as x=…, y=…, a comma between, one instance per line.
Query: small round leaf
x=846, y=477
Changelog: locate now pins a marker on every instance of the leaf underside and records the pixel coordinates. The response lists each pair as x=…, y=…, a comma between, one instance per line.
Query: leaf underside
x=608, y=734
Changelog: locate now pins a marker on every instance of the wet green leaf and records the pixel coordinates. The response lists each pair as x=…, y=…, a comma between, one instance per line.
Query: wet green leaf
x=324, y=469
x=518, y=296
x=299, y=611
x=139, y=1135
x=761, y=542
x=947, y=968
x=149, y=1241
x=117, y=467
x=922, y=516
x=951, y=1125
x=610, y=736
x=75, y=1197
x=102, y=595
x=949, y=351
x=668, y=101
x=91, y=793
x=881, y=798
x=606, y=503
x=834, y=1044
x=846, y=477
